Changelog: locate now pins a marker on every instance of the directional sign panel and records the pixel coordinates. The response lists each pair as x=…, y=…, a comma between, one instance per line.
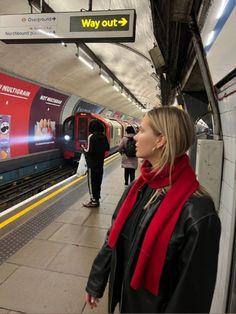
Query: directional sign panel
x=90, y=26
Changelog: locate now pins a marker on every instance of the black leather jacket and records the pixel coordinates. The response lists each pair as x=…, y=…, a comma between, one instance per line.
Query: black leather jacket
x=189, y=274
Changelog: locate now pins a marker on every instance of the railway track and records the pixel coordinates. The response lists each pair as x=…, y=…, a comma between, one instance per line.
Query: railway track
x=26, y=187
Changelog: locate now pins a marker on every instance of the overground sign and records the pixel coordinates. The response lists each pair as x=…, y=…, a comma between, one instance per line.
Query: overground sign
x=90, y=26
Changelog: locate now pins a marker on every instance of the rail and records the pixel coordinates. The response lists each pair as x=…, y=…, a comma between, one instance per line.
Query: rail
x=22, y=189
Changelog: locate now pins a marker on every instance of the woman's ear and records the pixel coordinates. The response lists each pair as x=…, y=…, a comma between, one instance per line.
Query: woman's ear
x=161, y=141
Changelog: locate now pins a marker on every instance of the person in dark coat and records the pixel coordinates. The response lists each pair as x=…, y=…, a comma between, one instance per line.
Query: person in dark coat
x=161, y=252
x=95, y=154
x=130, y=164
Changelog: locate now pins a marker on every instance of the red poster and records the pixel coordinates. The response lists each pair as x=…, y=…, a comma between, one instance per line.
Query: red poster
x=16, y=97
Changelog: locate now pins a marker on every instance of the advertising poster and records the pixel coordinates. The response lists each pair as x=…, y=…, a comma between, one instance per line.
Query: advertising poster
x=117, y=115
x=5, y=151
x=16, y=97
x=44, y=120
x=107, y=113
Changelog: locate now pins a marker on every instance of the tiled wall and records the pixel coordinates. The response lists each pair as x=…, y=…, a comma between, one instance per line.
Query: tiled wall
x=227, y=201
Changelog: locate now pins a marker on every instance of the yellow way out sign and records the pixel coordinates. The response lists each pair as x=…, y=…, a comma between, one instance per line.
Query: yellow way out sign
x=100, y=23
x=105, y=23
x=70, y=27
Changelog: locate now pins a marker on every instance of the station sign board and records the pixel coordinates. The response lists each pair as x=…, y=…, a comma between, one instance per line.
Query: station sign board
x=89, y=26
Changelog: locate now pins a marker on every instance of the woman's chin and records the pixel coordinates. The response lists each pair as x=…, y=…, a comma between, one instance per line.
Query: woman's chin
x=138, y=155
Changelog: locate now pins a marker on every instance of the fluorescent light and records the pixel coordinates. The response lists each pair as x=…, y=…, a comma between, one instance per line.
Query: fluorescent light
x=85, y=58
x=88, y=63
x=104, y=77
x=115, y=87
x=210, y=38
x=221, y=9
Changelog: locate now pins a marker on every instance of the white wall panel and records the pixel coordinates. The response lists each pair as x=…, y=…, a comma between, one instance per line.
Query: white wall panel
x=228, y=171
x=221, y=58
x=209, y=166
x=228, y=103
x=227, y=195
x=229, y=148
x=228, y=121
x=227, y=200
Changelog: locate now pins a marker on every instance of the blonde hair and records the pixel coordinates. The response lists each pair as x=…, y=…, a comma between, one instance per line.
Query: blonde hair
x=177, y=128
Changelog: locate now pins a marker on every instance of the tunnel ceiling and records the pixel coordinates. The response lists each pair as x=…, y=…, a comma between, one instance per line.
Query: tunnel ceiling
x=57, y=66
x=171, y=30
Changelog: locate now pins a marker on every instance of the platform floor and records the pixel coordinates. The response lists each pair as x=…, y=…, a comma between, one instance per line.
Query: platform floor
x=49, y=273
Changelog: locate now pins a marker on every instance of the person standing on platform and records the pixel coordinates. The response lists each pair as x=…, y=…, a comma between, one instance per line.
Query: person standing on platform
x=161, y=252
x=95, y=154
x=129, y=161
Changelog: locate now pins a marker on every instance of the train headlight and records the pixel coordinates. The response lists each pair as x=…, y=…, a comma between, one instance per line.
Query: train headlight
x=67, y=137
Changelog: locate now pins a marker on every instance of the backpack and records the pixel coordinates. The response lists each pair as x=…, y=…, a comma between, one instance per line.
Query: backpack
x=130, y=149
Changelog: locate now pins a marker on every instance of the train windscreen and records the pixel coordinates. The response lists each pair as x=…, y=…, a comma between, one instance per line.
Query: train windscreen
x=68, y=129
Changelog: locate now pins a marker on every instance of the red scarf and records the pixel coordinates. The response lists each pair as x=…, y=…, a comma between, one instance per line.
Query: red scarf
x=149, y=266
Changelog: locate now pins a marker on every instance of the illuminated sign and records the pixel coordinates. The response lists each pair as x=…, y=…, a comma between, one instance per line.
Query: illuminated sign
x=90, y=26
x=101, y=23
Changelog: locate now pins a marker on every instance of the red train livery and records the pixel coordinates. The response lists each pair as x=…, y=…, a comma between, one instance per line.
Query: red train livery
x=76, y=131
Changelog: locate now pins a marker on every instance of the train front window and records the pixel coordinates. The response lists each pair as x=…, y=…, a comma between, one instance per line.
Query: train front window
x=83, y=130
x=68, y=129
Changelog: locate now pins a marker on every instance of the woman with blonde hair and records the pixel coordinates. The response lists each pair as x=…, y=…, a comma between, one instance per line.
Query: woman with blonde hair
x=161, y=251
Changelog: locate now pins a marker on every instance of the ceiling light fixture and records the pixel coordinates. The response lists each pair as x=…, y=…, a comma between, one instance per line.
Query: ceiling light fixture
x=123, y=93
x=222, y=8
x=85, y=54
x=86, y=62
x=210, y=38
x=83, y=57
x=104, y=75
x=115, y=86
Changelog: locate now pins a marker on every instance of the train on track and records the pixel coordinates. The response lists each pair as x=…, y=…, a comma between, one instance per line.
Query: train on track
x=76, y=131
x=31, y=127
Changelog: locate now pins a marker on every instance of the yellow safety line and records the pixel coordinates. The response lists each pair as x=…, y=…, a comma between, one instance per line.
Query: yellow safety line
x=43, y=200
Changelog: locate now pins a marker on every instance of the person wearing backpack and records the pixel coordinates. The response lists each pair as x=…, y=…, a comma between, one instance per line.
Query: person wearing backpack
x=129, y=161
